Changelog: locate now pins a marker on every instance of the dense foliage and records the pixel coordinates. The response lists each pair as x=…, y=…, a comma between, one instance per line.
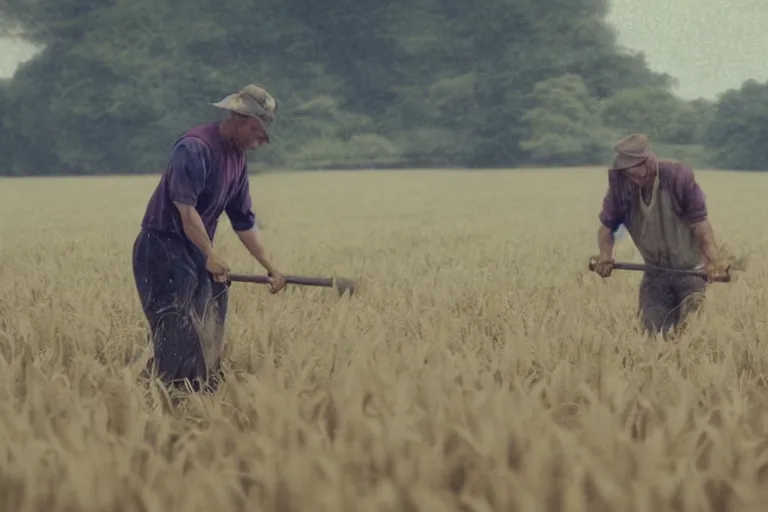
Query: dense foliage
x=361, y=83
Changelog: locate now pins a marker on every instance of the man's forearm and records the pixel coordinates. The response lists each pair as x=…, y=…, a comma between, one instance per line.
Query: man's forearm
x=705, y=236
x=605, y=243
x=194, y=228
x=251, y=239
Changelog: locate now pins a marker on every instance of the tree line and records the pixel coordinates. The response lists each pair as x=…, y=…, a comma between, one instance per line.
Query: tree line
x=363, y=83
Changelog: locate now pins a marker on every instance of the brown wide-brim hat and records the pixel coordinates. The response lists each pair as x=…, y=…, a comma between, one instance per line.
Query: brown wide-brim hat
x=631, y=151
x=252, y=100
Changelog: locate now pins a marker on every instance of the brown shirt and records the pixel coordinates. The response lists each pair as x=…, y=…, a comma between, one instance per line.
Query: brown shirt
x=622, y=196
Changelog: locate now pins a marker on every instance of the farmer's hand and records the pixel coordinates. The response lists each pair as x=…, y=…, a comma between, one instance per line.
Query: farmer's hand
x=717, y=271
x=604, y=267
x=217, y=267
x=276, y=282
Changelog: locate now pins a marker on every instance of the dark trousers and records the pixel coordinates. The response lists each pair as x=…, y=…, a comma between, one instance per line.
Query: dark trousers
x=185, y=308
x=666, y=300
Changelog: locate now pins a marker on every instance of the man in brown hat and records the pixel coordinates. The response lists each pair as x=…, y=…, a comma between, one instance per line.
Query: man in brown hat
x=180, y=277
x=665, y=212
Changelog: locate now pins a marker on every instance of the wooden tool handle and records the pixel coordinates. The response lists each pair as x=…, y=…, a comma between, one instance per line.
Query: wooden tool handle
x=621, y=265
x=297, y=280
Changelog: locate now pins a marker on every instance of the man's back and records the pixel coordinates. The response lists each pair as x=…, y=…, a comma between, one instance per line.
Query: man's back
x=204, y=172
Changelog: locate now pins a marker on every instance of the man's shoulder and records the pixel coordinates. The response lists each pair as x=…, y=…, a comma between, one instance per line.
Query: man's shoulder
x=201, y=134
x=676, y=173
x=192, y=143
x=190, y=150
x=674, y=166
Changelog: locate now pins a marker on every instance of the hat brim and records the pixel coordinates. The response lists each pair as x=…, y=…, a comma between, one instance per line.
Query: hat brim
x=233, y=103
x=622, y=162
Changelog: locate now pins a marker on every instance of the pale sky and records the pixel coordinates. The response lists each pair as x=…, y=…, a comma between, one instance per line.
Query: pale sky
x=709, y=45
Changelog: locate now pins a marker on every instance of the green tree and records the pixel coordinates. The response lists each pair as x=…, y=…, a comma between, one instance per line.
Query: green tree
x=6, y=146
x=565, y=126
x=651, y=110
x=739, y=131
x=336, y=136
x=659, y=113
x=692, y=122
x=405, y=83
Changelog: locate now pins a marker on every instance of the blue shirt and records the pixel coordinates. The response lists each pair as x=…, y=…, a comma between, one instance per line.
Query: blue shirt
x=206, y=172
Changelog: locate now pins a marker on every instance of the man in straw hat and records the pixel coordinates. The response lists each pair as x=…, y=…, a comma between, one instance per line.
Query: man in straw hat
x=180, y=277
x=665, y=212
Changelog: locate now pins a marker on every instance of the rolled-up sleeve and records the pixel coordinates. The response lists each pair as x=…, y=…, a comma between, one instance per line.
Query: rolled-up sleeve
x=239, y=208
x=689, y=195
x=187, y=171
x=613, y=213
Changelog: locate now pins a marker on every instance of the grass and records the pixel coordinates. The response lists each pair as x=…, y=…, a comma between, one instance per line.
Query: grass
x=479, y=366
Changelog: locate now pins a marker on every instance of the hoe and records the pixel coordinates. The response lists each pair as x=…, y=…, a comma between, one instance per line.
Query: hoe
x=619, y=265
x=341, y=284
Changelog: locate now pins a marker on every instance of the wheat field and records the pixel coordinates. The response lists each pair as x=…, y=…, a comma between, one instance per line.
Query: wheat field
x=479, y=366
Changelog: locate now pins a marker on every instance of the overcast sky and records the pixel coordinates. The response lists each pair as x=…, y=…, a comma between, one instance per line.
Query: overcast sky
x=709, y=45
